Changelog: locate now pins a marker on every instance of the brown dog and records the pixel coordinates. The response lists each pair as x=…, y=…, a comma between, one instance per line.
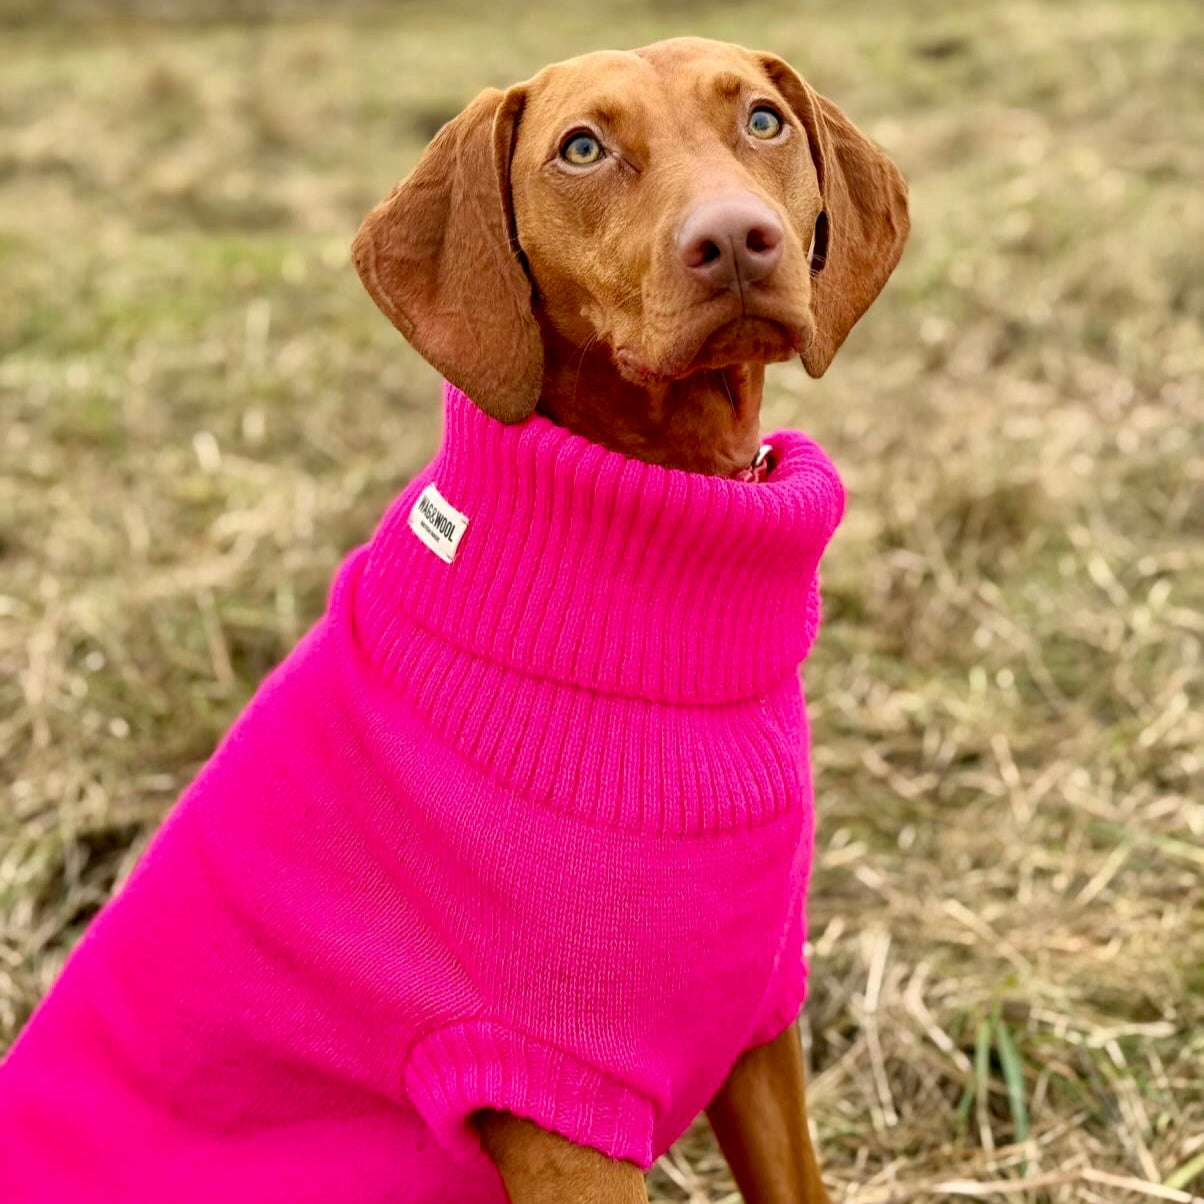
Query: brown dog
x=635, y=235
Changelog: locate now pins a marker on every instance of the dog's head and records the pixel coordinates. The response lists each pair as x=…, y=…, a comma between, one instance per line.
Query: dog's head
x=689, y=205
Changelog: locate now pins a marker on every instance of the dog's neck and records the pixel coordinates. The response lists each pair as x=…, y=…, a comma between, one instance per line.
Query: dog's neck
x=708, y=422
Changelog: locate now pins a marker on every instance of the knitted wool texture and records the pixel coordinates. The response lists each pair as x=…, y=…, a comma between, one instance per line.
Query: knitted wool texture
x=529, y=831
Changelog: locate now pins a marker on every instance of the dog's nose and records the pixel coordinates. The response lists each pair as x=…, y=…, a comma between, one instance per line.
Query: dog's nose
x=730, y=242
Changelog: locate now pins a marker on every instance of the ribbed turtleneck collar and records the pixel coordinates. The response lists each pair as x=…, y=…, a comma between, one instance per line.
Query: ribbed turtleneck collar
x=582, y=566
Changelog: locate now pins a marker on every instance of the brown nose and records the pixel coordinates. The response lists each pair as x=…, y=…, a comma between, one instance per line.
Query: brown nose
x=730, y=242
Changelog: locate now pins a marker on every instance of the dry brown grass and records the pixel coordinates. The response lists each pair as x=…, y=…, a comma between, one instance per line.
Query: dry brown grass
x=201, y=411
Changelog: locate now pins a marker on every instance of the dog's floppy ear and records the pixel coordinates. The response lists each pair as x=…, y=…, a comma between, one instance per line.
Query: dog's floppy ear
x=438, y=256
x=860, y=232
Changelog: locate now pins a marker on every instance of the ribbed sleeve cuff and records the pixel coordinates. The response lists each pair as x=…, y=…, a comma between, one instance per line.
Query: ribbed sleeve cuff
x=462, y=1068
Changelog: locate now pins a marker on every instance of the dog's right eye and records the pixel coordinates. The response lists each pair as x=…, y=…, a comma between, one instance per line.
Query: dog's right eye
x=764, y=123
x=581, y=149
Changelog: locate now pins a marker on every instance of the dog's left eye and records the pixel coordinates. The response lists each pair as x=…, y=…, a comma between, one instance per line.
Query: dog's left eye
x=581, y=150
x=763, y=122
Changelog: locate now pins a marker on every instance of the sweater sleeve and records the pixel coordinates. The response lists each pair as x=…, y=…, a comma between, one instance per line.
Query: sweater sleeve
x=788, y=989
x=463, y=1068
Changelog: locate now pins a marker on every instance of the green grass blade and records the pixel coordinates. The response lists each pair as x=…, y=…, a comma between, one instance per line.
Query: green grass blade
x=982, y=1065
x=1182, y=1176
x=1013, y=1078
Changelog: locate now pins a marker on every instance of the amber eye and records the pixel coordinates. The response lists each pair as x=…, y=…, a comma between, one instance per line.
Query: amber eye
x=763, y=122
x=581, y=149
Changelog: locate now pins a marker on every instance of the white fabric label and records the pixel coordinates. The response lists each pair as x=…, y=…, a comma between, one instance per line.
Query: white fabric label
x=439, y=525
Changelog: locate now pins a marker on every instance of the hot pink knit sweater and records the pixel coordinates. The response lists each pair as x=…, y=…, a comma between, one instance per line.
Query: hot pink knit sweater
x=528, y=830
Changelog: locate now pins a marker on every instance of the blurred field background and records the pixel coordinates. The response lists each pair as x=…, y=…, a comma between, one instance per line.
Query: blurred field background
x=202, y=411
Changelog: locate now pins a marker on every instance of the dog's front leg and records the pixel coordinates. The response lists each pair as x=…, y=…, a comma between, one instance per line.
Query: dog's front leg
x=760, y=1119
x=539, y=1167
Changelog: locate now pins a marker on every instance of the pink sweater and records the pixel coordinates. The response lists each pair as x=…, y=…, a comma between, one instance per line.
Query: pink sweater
x=527, y=830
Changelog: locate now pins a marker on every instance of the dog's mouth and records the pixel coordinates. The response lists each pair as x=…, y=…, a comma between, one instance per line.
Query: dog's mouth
x=746, y=339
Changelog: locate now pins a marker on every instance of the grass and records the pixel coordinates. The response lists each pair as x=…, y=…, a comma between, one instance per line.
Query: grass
x=202, y=412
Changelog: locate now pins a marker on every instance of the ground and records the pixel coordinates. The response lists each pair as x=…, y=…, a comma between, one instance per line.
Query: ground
x=202, y=411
